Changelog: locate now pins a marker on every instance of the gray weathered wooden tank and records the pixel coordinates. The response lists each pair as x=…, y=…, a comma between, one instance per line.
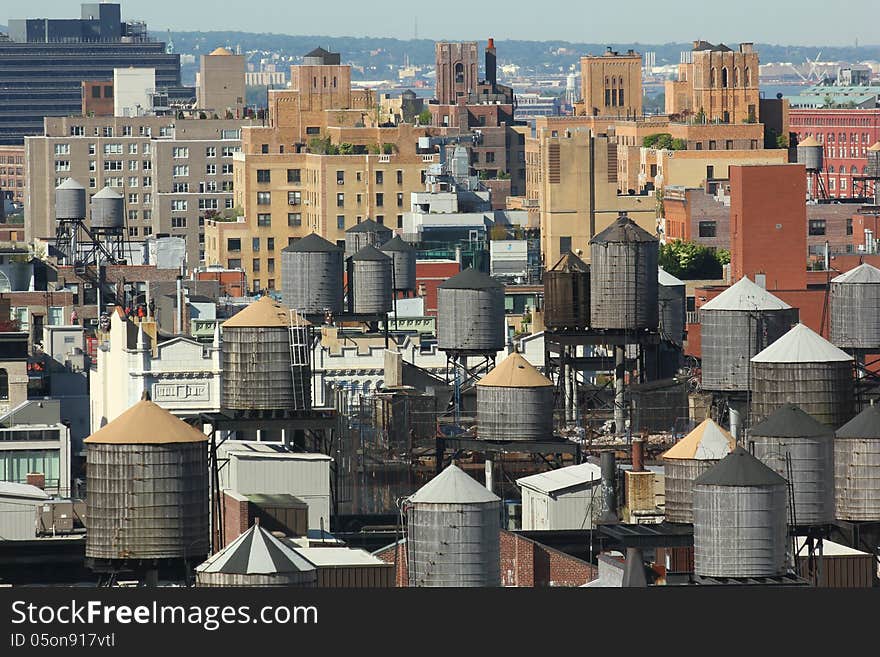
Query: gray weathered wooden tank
x=804, y=369
x=108, y=211
x=567, y=294
x=799, y=449
x=515, y=402
x=70, y=201
x=147, y=488
x=672, y=300
x=370, y=285
x=453, y=528
x=857, y=467
x=740, y=519
x=365, y=233
x=403, y=257
x=312, y=275
x=623, y=277
x=266, y=359
x=470, y=313
x=734, y=326
x=855, y=298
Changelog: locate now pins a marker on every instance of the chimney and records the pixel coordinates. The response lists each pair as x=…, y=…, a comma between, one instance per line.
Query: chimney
x=491, y=64
x=37, y=479
x=638, y=455
x=608, y=465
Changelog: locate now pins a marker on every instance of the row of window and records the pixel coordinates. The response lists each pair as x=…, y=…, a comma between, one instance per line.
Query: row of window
x=843, y=120
x=724, y=78
x=204, y=187
x=295, y=198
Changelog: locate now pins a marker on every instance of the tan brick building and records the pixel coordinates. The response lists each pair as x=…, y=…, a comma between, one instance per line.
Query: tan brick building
x=172, y=172
x=457, y=70
x=221, y=83
x=13, y=174
x=717, y=84
x=611, y=84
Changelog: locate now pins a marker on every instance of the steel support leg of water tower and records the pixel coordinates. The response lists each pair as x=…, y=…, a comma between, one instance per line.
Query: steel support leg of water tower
x=619, y=370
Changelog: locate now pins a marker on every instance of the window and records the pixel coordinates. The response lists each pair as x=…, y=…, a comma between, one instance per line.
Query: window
x=210, y=169
x=293, y=175
x=340, y=177
x=211, y=151
x=380, y=219
x=400, y=199
x=4, y=384
x=255, y=265
x=180, y=188
x=112, y=165
x=294, y=198
x=564, y=244
x=132, y=149
x=380, y=177
x=92, y=149
x=132, y=199
x=180, y=152
x=62, y=165
x=233, y=244
x=132, y=165
x=264, y=198
x=294, y=219
x=148, y=181
x=340, y=200
x=708, y=229
x=256, y=285
x=263, y=176
x=148, y=165
x=490, y=157
x=817, y=226
x=264, y=149
x=264, y=219
x=849, y=226
x=340, y=221
x=226, y=170
x=380, y=199
x=724, y=77
x=255, y=244
x=228, y=151
x=209, y=204
x=114, y=181
x=77, y=131
x=178, y=222
x=712, y=145
x=235, y=263
x=728, y=144
x=270, y=265
x=62, y=149
x=181, y=170
x=179, y=205
x=400, y=221
x=133, y=231
x=313, y=130
x=399, y=177
x=270, y=243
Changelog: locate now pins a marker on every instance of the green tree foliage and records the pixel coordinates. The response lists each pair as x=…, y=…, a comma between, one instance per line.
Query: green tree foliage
x=664, y=140
x=425, y=117
x=692, y=261
x=323, y=146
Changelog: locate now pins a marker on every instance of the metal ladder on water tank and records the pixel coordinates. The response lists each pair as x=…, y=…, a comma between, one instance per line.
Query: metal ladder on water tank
x=298, y=338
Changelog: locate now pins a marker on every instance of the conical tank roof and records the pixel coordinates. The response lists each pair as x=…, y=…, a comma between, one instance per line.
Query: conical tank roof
x=864, y=425
x=146, y=423
x=623, y=229
x=739, y=468
x=801, y=345
x=109, y=193
x=745, y=295
x=808, y=142
x=569, y=263
x=789, y=421
x=70, y=183
x=256, y=552
x=397, y=243
x=470, y=279
x=220, y=50
x=264, y=313
x=875, y=147
x=369, y=253
x=514, y=372
x=864, y=273
x=707, y=442
x=312, y=243
x=668, y=280
x=453, y=486
x=368, y=226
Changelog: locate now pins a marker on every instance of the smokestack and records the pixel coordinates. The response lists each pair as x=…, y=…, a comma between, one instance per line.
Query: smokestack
x=638, y=455
x=491, y=64
x=608, y=465
x=634, y=569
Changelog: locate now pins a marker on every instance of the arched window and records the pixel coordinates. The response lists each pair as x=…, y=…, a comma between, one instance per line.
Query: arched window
x=607, y=93
x=620, y=92
x=748, y=77
x=614, y=92
x=736, y=76
x=854, y=171
x=831, y=169
x=713, y=76
x=724, y=77
x=4, y=384
x=459, y=73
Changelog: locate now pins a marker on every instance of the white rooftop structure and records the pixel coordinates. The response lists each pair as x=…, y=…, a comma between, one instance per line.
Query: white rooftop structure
x=338, y=556
x=667, y=279
x=745, y=295
x=801, y=345
x=570, y=476
x=453, y=486
x=256, y=552
x=23, y=491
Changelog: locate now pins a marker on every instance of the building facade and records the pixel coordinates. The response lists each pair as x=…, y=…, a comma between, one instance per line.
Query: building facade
x=173, y=173
x=611, y=84
x=221, y=83
x=457, y=70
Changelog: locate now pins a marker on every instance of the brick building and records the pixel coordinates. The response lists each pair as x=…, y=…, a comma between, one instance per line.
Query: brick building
x=846, y=135
x=716, y=83
x=97, y=98
x=13, y=173
x=611, y=84
x=456, y=66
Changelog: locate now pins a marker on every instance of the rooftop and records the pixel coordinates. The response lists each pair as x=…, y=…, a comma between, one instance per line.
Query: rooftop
x=146, y=423
x=560, y=479
x=453, y=486
x=801, y=345
x=739, y=468
x=745, y=295
x=706, y=442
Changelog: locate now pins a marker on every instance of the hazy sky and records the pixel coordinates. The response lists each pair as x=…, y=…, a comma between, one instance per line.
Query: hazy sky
x=788, y=22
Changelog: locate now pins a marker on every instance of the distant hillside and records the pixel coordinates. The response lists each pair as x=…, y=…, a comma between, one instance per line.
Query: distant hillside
x=379, y=52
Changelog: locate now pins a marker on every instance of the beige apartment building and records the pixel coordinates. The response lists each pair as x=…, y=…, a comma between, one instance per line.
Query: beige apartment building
x=174, y=173
x=575, y=174
x=220, y=83
x=287, y=196
x=611, y=84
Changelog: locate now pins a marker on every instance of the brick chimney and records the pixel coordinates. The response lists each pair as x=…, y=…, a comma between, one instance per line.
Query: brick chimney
x=37, y=479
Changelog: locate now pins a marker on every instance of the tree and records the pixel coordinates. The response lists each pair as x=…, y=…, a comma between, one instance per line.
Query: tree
x=689, y=260
x=664, y=140
x=425, y=117
x=782, y=141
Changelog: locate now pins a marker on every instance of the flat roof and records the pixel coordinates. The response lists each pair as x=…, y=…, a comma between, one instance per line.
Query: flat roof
x=339, y=556
x=273, y=451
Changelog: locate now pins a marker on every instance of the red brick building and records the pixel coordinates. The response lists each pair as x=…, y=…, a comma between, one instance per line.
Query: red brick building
x=429, y=275
x=846, y=135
